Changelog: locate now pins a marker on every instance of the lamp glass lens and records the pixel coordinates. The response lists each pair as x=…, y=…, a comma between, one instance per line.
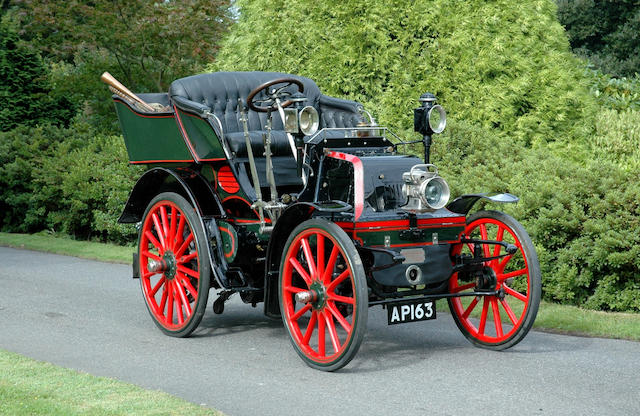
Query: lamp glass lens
x=290, y=120
x=309, y=120
x=437, y=119
x=433, y=193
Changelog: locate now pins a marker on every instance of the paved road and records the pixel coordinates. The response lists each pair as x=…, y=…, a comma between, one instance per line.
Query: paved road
x=90, y=316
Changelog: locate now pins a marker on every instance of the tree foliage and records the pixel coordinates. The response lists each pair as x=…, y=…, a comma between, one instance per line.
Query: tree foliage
x=144, y=44
x=605, y=31
x=504, y=64
x=25, y=88
x=160, y=39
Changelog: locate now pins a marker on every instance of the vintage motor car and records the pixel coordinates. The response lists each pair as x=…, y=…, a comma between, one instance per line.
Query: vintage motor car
x=260, y=185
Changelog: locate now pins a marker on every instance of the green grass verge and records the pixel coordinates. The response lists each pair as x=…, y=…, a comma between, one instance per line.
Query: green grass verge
x=29, y=387
x=552, y=317
x=571, y=320
x=65, y=245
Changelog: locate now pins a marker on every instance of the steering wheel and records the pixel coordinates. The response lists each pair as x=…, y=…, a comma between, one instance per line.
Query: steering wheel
x=277, y=93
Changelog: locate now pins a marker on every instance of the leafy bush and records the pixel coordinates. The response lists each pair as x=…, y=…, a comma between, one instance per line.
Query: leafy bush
x=615, y=93
x=92, y=184
x=64, y=180
x=23, y=151
x=505, y=64
x=583, y=216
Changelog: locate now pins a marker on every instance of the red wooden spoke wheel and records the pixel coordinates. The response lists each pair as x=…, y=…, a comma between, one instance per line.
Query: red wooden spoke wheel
x=174, y=264
x=498, y=322
x=323, y=294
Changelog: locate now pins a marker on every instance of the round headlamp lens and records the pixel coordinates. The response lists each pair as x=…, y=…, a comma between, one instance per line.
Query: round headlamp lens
x=309, y=120
x=436, y=193
x=437, y=119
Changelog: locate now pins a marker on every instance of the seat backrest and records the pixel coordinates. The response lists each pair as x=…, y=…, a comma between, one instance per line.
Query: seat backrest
x=221, y=90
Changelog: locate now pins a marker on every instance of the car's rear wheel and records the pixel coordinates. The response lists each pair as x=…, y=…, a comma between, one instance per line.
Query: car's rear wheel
x=323, y=294
x=498, y=322
x=174, y=264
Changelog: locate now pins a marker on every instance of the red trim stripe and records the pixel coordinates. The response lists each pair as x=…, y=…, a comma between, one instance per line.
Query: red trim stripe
x=136, y=162
x=184, y=134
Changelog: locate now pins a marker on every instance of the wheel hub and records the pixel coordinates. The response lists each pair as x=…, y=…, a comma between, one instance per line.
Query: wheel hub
x=316, y=295
x=486, y=279
x=166, y=265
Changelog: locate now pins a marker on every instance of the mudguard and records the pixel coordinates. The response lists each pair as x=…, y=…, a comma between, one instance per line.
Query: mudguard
x=464, y=203
x=195, y=188
x=290, y=218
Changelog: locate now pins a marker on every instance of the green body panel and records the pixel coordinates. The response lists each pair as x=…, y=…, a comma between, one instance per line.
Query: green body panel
x=203, y=139
x=151, y=138
x=376, y=238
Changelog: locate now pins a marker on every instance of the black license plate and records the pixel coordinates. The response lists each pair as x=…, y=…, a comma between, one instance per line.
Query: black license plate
x=410, y=311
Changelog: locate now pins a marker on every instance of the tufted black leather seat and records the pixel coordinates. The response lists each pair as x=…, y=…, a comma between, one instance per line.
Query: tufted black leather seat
x=219, y=93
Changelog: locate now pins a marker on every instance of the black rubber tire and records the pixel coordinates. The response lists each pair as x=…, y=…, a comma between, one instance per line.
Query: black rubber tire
x=201, y=260
x=359, y=311
x=527, y=318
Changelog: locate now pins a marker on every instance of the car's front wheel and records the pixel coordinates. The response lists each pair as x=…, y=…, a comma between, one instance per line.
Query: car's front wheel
x=323, y=294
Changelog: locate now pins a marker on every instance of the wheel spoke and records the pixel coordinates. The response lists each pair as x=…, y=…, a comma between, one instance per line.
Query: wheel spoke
x=505, y=260
x=308, y=256
x=294, y=289
x=483, y=234
x=185, y=301
x=179, y=310
x=301, y=312
x=463, y=287
x=179, y=233
x=188, y=258
x=170, y=302
x=301, y=271
x=470, y=308
x=509, y=311
x=321, y=334
x=151, y=255
x=184, y=245
x=328, y=272
x=341, y=299
x=188, y=271
x=331, y=287
x=187, y=284
x=343, y=322
x=159, y=230
x=153, y=240
x=515, y=294
x=163, y=301
x=165, y=223
x=310, y=328
x=172, y=228
x=483, y=315
x=335, y=341
x=509, y=275
x=496, y=317
x=499, y=236
x=156, y=287
x=470, y=247
x=320, y=255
